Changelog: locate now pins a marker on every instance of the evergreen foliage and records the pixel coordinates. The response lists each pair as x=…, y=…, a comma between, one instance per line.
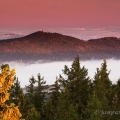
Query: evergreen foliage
x=39, y=94
x=66, y=110
x=55, y=94
x=16, y=92
x=31, y=89
x=78, y=84
x=73, y=97
x=102, y=85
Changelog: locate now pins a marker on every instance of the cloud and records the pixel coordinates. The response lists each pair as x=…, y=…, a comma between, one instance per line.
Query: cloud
x=76, y=29
x=79, y=29
x=49, y=70
x=93, y=33
x=10, y=35
x=78, y=32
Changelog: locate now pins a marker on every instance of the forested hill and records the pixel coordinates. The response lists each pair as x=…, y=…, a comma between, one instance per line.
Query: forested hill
x=53, y=46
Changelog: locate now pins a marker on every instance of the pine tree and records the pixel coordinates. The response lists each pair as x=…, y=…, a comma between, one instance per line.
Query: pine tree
x=78, y=84
x=16, y=92
x=55, y=94
x=116, y=91
x=94, y=110
x=31, y=90
x=63, y=110
x=102, y=88
x=36, y=94
x=102, y=84
x=18, y=97
x=50, y=107
x=115, y=100
x=33, y=114
x=48, y=110
x=40, y=93
x=66, y=110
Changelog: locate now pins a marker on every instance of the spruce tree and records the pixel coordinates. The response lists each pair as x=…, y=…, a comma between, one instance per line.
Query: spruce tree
x=115, y=100
x=102, y=84
x=36, y=94
x=66, y=110
x=78, y=84
x=33, y=114
x=116, y=91
x=94, y=110
x=31, y=90
x=16, y=92
x=48, y=110
x=40, y=93
x=55, y=92
x=51, y=106
x=17, y=96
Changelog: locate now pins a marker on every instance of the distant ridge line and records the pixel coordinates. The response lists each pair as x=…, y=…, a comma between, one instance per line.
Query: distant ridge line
x=57, y=47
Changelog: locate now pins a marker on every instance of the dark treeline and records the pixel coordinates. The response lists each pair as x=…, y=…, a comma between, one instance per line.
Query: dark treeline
x=75, y=97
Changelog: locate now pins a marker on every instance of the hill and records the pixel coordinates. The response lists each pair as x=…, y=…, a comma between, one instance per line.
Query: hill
x=53, y=46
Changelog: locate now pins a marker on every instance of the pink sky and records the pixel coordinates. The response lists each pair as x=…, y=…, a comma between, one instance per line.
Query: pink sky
x=59, y=13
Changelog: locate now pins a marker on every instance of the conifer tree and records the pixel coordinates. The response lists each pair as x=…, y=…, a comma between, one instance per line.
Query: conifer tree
x=102, y=88
x=66, y=110
x=115, y=100
x=18, y=97
x=51, y=106
x=55, y=94
x=33, y=114
x=48, y=110
x=40, y=93
x=16, y=92
x=29, y=97
x=94, y=110
x=31, y=90
x=116, y=91
x=102, y=83
x=36, y=94
x=78, y=84
x=63, y=110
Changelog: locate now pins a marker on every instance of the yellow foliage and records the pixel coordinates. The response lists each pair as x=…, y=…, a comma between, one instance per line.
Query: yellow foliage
x=10, y=112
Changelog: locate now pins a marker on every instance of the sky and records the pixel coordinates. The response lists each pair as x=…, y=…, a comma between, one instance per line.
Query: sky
x=83, y=19
x=77, y=32
x=59, y=13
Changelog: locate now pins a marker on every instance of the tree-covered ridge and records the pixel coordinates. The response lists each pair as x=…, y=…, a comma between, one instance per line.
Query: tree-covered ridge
x=53, y=46
x=73, y=97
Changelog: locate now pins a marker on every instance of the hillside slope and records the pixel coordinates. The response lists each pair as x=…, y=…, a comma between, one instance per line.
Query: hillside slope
x=53, y=46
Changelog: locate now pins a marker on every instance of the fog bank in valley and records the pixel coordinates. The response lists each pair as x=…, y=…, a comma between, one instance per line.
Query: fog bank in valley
x=52, y=69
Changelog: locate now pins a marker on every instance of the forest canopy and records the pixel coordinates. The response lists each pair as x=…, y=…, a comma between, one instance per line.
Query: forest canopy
x=73, y=97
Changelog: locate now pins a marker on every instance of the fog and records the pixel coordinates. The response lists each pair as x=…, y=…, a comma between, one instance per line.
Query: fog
x=52, y=70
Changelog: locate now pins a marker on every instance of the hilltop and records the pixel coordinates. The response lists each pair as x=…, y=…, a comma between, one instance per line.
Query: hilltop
x=56, y=47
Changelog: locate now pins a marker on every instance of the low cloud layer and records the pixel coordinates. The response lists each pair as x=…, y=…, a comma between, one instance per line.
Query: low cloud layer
x=53, y=69
x=78, y=32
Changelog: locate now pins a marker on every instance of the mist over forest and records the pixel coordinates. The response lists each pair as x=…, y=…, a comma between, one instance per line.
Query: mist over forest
x=51, y=70
x=59, y=60
x=75, y=94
